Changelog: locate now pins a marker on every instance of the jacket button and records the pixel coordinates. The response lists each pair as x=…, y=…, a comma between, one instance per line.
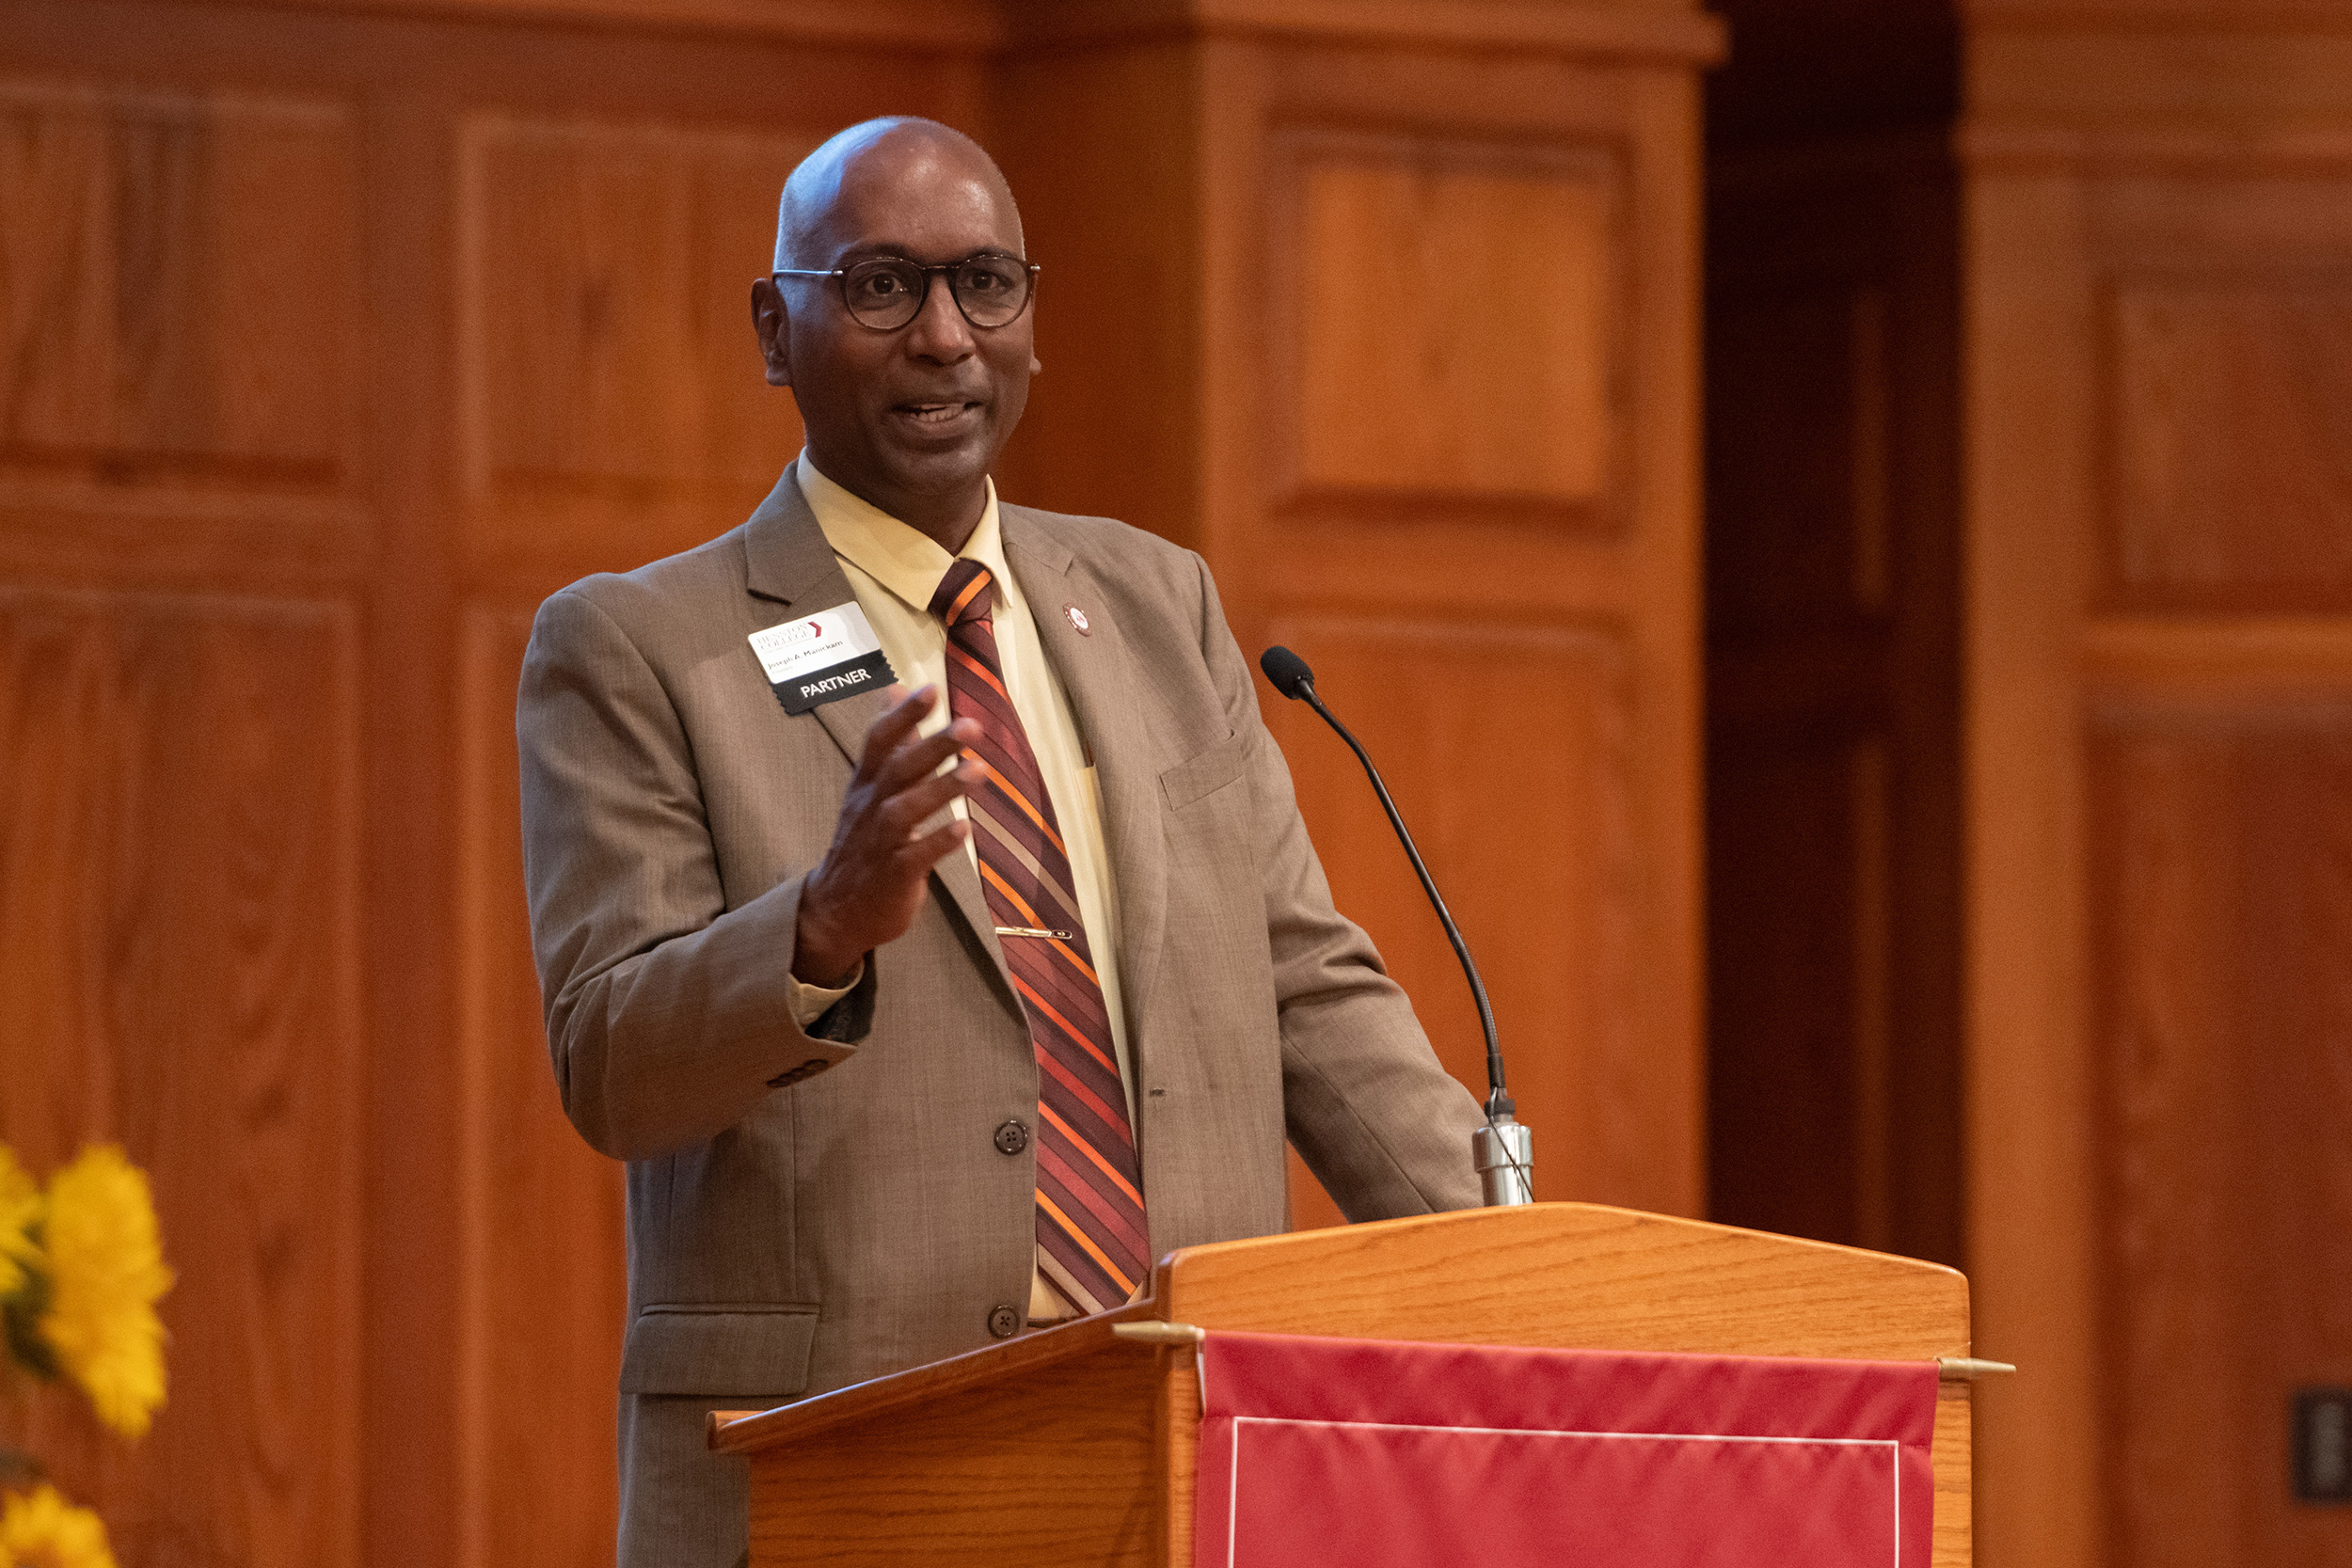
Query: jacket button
x=1011, y=1138
x=1003, y=1321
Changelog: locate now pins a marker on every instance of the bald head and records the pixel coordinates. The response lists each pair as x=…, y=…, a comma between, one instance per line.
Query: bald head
x=910, y=413
x=888, y=151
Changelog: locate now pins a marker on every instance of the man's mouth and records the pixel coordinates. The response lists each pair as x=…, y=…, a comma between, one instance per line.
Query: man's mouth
x=935, y=413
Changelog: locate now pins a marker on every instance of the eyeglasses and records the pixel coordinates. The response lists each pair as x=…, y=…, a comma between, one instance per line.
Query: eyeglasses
x=887, y=292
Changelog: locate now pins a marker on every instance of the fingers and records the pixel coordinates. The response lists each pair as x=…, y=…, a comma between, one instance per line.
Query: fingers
x=914, y=761
x=910, y=807
x=898, y=721
x=925, y=852
x=869, y=886
x=895, y=758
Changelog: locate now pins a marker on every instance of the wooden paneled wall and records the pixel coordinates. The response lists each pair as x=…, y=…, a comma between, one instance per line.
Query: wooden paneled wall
x=1833, y=794
x=2076, y=340
x=2160, y=632
x=328, y=344
x=333, y=337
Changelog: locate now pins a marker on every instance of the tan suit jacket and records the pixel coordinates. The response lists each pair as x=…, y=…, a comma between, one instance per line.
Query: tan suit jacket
x=806, y=1210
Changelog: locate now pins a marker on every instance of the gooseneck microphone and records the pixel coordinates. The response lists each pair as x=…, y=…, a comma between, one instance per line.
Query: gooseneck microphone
x=1502, y=1149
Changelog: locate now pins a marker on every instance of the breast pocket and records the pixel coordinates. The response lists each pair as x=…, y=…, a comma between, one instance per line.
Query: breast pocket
x=1205, y=772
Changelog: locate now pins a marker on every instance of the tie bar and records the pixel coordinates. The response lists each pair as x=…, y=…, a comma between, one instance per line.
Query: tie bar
x=1033, y=931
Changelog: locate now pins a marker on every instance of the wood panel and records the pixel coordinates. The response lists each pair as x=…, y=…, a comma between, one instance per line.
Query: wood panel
x=617, y=406
x=920, y=27
x=1797, y=451
x=179, y=881
x=1799, y=805
x=1114, y=422
x=2221, y=885
x=1543, y=897
x=154, y=312
x=1052, y=1465
x=1797, y=953
x=2156, y=649
x=1450, y=325
x=1833, y=771
x=1642, y=1282
x=543, y=1269
x=2034, y=1228
x=1611, y=139
x=2233, y=481
x=176, y=356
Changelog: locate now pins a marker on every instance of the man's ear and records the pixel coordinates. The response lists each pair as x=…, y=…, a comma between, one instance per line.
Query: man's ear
x=1034, y=367
x=773, y=324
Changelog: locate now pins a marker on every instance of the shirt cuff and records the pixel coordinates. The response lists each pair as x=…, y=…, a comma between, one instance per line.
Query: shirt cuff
x=810, y=1003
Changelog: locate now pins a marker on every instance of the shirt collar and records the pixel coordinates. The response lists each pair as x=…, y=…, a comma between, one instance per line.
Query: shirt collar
x=902, y=558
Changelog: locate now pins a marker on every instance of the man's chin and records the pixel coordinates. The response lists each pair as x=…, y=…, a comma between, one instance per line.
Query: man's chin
x=937, y=472
x=914, y=487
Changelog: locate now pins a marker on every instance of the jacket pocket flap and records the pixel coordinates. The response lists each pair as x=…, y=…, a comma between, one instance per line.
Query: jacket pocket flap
x=1205, y=771
x=718, y=1350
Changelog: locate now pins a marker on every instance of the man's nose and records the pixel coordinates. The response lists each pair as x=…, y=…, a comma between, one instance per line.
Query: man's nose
x=939, y=330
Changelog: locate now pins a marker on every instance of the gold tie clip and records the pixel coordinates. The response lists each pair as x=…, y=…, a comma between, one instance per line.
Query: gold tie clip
x=1032, y=931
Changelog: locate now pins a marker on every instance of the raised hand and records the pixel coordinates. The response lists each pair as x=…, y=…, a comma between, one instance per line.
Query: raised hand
x=868, y=888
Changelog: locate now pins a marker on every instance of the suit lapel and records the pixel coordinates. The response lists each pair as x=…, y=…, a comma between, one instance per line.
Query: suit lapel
x=789, y=561
x=1110, y=699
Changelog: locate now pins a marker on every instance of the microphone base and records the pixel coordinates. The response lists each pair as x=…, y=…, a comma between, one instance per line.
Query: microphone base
x=1503, y=1154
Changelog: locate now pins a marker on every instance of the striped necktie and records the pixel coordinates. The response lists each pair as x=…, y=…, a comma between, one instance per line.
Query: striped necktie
x=1092, y=1246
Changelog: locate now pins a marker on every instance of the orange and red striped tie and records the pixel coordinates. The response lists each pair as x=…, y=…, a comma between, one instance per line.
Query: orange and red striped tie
x=1092, y=1246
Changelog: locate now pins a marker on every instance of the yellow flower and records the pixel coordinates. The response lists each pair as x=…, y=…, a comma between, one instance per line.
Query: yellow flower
x=106, y=1272
x=20, y=1206
x=40, y=1530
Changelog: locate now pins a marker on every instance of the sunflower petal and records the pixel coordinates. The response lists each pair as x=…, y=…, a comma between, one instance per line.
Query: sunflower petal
x=106, y=1272
x=40, y=1530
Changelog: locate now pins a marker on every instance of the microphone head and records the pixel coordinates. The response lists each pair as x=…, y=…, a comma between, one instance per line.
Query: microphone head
x=1287, y=671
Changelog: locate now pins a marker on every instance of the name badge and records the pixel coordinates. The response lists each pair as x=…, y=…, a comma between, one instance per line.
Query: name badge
x=822, y=658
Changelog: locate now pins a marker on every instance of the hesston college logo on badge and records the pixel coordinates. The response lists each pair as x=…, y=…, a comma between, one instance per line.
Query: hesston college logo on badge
x=829, y=656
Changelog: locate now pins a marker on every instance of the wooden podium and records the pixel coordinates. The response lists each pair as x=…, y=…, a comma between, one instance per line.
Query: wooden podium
x=1075, y=1445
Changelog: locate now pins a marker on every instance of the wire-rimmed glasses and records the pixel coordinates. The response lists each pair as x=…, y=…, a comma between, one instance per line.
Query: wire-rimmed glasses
x=887, y=292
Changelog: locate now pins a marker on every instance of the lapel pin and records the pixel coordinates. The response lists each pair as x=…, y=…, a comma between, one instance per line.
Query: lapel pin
x=1078, y=621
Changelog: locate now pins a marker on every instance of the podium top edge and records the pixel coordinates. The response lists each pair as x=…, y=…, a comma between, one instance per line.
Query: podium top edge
x=1582, y=1219
x=1575, y=1275
x=1562, y=1274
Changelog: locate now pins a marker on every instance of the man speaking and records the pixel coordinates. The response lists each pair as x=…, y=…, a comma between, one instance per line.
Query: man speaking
x=921, y=908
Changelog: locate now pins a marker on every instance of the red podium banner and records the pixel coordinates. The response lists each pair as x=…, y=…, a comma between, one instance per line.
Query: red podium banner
x=1389, y=1454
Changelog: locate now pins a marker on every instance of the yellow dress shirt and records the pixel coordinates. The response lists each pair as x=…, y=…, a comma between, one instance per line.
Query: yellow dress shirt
x=892, y=569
